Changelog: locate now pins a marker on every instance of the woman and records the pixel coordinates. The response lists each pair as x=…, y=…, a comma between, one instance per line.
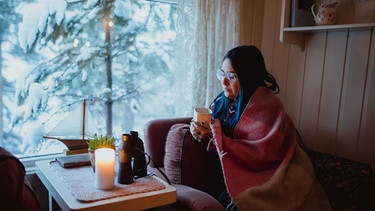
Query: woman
x=263, y=166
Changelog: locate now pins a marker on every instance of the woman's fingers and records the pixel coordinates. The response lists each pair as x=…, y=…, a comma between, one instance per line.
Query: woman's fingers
x=199, y=129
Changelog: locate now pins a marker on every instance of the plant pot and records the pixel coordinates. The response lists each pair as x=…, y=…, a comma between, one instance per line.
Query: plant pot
x=92, y=158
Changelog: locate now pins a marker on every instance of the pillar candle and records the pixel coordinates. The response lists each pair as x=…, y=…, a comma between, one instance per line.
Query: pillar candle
x=104, y=168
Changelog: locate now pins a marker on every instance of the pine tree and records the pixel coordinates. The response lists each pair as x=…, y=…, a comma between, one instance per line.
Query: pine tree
x=101, y=53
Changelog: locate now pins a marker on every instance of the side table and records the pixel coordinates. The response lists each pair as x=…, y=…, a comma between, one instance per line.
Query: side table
x=60, y=195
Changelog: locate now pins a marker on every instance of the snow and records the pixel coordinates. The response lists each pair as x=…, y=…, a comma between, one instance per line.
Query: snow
x=56, y=7
x=123, y=9
x=32, y=136
x=85, y=53
x=30, y=24
x=35, y=18
x=84, y=75
x=90, y=3
x=37, y=96
x=42, y=16
x=106, y=91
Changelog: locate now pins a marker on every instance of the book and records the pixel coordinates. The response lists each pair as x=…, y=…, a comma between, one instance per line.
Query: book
x=74, y=161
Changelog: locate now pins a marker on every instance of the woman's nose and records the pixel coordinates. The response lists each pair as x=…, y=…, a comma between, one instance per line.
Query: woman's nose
x=224, y=81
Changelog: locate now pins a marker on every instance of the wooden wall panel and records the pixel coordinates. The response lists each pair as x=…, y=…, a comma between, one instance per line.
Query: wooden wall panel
x=331, y=91
x=294, y=85
x=312, y=88
x=269, y=31
x=329, y=86
x=366, y=144
x=251, y=28
x=280, y=55
x=344, y=12
x=275, y=55
x=364, y=11
x=353, y=93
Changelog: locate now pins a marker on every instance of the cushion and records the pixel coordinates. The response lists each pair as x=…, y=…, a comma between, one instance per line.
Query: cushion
x=187, y=162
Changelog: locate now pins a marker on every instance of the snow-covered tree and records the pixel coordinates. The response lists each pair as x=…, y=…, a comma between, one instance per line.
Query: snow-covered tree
x=8, y=45
x=104, y=51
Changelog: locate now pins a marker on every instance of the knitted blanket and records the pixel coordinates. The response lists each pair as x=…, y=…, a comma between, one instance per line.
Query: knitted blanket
x=264, y=168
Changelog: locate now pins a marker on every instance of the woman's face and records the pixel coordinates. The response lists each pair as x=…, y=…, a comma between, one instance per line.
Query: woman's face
x=231, y=88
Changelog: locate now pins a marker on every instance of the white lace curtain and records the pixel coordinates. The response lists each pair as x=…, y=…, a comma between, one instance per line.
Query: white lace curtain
x=206, y=29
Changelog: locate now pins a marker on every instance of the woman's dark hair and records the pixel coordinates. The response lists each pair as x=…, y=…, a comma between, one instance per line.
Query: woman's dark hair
x=248, y=62
x=249, y=65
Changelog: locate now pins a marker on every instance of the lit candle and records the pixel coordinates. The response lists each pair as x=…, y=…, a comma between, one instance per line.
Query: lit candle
x=104, y=168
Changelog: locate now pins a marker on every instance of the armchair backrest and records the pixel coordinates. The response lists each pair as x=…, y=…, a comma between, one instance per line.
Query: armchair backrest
x=155, y=134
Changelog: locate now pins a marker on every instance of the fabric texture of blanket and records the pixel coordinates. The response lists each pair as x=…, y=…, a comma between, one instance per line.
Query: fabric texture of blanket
x=264, y=168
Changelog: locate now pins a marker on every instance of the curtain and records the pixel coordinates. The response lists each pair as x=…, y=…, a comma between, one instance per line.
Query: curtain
x=206, y=29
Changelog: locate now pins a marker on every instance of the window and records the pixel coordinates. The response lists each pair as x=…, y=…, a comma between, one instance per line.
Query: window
x=116, y=56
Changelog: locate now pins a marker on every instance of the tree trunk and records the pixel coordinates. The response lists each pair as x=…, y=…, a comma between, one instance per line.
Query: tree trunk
x=108, y=60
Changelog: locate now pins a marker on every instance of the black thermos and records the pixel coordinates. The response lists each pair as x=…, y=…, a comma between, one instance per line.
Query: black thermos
x=138, y=153
x=125, y=174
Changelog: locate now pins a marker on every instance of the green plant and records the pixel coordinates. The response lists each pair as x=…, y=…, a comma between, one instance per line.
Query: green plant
x=101, y=142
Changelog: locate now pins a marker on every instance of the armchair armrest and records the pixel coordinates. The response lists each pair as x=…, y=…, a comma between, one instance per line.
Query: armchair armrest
x=197, y=200
x=188, y=198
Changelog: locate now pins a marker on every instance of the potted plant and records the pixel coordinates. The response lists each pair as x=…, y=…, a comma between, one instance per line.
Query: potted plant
x=97, y=142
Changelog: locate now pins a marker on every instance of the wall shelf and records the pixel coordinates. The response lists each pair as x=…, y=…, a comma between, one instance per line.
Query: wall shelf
x=338, y=27
x=296, y=35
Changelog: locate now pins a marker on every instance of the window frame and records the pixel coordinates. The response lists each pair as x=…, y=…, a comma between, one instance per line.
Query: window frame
x=30, y=161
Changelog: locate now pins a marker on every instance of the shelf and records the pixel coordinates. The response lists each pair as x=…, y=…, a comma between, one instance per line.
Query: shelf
x=296, y=35
x=339, y=27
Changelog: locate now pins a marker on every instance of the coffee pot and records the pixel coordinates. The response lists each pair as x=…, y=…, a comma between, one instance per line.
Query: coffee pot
x=326, y=13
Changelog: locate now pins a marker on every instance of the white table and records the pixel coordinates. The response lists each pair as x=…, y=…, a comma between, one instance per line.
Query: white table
x=60, y=196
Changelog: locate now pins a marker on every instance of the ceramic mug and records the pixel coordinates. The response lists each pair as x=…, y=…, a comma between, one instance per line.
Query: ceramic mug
x=326, y=13
x=203, y=115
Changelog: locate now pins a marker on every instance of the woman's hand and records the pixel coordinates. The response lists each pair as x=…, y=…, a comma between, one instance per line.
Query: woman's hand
x=201, y=131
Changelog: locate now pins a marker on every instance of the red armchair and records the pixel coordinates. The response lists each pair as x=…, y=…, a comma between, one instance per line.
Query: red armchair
x=189, y=197
x=16, y=192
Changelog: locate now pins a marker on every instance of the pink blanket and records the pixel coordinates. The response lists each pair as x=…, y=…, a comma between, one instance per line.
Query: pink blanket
x=264, y=168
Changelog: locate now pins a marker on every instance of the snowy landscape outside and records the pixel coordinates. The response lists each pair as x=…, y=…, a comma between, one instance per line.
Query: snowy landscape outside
x=116, y=55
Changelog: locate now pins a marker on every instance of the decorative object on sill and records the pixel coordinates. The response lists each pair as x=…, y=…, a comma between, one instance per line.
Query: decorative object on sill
x=326, y=13
x=300, y=13
x=138, y=155
x=74, y=130
x=99, y=142
x=74, y=161
x=125, y=172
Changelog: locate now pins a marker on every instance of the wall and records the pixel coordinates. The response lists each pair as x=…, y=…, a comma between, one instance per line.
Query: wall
x=252, y=24
x=328, y=87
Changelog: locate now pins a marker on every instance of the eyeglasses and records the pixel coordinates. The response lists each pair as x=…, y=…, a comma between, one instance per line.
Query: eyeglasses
x=232, y=77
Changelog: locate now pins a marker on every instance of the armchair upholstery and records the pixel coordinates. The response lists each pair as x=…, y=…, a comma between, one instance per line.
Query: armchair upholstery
x=16, y=192
x=188, y=198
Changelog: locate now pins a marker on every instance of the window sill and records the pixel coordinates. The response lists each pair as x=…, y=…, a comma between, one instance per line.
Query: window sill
x=29, y=162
